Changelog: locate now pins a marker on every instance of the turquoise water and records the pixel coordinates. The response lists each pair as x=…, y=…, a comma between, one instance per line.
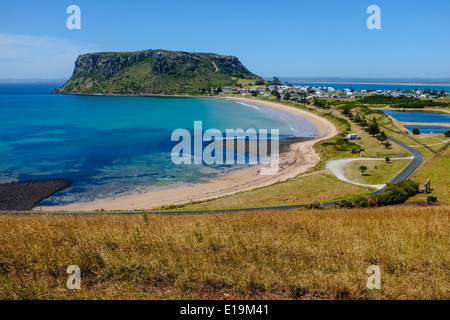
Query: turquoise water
x=429, y=129
x=419, y=116
x=111, y=146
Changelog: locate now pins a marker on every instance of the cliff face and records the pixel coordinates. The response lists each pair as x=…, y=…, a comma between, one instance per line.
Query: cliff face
x=154, y=72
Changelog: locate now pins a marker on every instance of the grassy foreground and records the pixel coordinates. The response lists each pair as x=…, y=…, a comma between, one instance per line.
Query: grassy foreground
x=300, y=254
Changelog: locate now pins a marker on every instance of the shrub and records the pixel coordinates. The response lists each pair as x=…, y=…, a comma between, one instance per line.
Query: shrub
x=346, y=204
x=360, y=201
x=409, y=186
x=447, y=133
x=397, y=193
x=356, y=149
x=415, y=131
x=392, y=194
x=314, y=205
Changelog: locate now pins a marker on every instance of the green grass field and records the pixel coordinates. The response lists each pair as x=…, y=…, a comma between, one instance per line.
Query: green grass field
x=378, y=172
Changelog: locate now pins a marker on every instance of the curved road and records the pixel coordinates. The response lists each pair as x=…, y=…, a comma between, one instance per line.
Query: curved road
x=415, y=163
x=337, y=168
x=405, y=174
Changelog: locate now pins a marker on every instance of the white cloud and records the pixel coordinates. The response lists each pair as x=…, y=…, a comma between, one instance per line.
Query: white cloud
x=25, y=56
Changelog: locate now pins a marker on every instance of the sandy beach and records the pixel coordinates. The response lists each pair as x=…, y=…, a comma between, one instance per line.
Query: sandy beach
x=300, y=157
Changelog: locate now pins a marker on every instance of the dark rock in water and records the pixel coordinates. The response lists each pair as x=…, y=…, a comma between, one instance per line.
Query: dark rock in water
x=284, y=144
x=24, y=195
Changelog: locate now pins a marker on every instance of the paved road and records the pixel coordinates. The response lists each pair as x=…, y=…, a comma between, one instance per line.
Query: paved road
x=405, y=174
x=415, y=163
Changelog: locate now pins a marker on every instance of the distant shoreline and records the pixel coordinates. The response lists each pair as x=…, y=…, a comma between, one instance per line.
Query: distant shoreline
x=377, y=83
x=134, y=95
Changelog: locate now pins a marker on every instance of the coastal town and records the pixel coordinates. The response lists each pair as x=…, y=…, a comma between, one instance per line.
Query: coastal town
x=306, y=93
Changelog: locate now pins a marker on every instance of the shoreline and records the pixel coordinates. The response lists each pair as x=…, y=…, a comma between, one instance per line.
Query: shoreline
x=402, y=124
x=300, y=158
x=379, y=83
x=444, y=110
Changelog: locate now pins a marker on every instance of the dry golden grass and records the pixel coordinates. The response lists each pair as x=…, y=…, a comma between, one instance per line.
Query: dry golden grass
x=299, y=254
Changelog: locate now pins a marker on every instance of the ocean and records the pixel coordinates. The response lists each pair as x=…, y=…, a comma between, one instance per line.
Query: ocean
x=113, y=146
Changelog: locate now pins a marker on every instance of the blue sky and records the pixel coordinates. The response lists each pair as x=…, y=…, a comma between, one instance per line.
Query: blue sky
x=284, y=38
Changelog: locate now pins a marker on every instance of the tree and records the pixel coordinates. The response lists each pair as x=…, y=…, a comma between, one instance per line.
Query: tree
x=363, y=169
x=320, y=103
x=287, y=96
x=416, y=131
x=276, y=94
x=364, y=123
x=259, y=82
x=373, y=129
x=447, y=133
x=443, y=92
x=275, y=81
x=345, y=111
x=303, y=97
x=219, y=90
x=387, y=159
x=382, y=137
x=254, y=93
x=387, y=144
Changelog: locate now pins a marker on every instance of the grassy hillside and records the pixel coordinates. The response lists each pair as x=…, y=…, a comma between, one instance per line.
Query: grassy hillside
x=155, y=72
x=436, y=169
x=318, y=254
x=303, y=189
